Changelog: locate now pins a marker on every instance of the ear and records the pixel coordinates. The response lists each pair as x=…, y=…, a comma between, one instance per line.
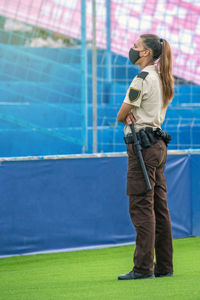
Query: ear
x=148, y=52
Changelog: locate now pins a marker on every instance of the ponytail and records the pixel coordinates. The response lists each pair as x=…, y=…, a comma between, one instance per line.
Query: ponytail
x=165, y=67
x=161, y=51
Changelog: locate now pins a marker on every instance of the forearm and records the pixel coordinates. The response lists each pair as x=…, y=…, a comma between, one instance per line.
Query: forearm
x=123, y=122
x=125, y=115
x=129, y=119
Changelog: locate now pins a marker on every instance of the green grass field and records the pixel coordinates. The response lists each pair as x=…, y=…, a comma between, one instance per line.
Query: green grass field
x=92, y=274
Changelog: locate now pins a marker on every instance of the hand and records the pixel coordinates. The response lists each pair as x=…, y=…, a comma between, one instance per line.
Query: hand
x=130, y=119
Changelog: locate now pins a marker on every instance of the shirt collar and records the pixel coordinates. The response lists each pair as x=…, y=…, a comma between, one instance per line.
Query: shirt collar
x=150, y=68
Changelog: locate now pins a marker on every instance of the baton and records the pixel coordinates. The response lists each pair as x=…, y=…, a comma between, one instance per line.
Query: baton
x=138, y=149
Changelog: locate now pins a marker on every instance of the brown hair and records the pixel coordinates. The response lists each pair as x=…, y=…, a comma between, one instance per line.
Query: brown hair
x=161, y=50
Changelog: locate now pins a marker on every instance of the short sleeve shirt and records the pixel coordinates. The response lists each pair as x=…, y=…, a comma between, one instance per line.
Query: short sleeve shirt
x=146, y=97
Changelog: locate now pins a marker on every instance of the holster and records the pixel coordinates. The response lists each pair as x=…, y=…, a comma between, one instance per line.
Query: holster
x=162, y=135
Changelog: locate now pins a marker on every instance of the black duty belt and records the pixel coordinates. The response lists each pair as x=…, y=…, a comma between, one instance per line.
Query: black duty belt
x=147, y=137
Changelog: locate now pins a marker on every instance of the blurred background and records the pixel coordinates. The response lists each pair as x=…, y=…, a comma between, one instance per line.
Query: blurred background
x=64, y=72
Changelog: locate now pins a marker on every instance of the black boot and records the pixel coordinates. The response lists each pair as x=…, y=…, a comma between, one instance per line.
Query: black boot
x=161, y=274
x=135, y=275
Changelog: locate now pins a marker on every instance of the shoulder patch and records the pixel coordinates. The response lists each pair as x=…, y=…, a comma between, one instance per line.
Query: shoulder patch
x=143, y=75
x=134, y=94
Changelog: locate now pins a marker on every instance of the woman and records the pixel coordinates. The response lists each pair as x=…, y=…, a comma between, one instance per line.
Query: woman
x=145, y=105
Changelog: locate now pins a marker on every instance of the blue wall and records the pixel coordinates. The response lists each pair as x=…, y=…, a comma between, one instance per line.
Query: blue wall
x=50, y=204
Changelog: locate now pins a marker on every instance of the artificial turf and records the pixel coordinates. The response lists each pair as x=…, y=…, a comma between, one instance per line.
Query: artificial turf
x=92, y=274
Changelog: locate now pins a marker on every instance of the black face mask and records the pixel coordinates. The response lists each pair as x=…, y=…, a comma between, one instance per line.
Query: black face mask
x=134, y=55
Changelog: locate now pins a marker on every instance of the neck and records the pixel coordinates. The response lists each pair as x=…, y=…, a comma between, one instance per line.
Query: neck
x=146, y=63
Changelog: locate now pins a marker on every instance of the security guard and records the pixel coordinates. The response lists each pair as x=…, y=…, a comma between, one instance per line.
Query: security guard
x=145, y=105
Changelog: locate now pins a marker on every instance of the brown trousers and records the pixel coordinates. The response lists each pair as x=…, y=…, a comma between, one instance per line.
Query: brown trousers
x=148, y=210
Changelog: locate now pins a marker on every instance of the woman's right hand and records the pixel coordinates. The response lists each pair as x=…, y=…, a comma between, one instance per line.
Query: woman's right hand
x=130, y=119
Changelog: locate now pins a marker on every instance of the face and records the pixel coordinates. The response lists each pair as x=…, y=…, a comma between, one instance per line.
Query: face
x=138, y=45
x=143, y=52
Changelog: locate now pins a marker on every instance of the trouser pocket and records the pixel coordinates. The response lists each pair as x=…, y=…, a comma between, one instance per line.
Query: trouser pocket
x=136, y=183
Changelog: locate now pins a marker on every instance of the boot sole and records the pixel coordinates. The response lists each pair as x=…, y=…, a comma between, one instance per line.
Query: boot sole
x=167, y=275
x=150, y=277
